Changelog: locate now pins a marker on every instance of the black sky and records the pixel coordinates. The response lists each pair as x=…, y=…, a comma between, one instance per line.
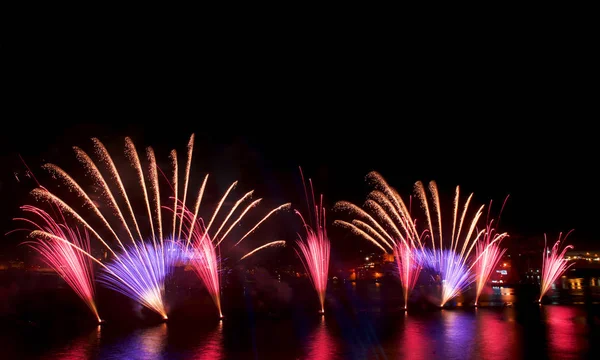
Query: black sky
x=513, y=120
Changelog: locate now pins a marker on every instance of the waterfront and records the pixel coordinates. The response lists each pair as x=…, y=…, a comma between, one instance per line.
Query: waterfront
x=363, y=321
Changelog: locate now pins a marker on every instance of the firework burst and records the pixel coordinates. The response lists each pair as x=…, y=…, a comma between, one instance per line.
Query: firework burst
x=57, y=243
x=487, y=255
x=137, y=270
x=136, y=243
x=200, y=241
x=392, y=225
x=408, y=269
x=554, y=264
x=315, y=246
x=142, y=276
x=387, y=223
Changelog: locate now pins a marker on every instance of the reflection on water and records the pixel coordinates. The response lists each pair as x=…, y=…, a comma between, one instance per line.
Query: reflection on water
x=459, y=329
x=359, y=324
x=80, y=348
x=498, y=335
x=413, y=342
x=321, y=345
x=211, y=347
x=566, y=331
x=147, y=343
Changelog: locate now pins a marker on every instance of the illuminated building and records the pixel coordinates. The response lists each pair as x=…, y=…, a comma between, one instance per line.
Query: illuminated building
x=590, y=256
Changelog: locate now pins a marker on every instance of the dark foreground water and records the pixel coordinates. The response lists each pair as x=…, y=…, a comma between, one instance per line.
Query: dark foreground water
x=357, y=325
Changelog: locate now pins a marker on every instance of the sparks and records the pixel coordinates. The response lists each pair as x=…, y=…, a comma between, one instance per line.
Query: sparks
x=408, y=269
x=554, y=264
x=142, y=277
x=388, y=223
x=315, y=246
x=267, y=245
x=72, y=265
x=200, y=242
x=487, y=255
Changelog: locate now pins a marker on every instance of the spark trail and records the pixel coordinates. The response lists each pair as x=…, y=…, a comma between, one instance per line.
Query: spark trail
x=200, y=242
x=72, y=265
x=554, y=264
x=315, y=246
x=129, y=224
x=487, y=255
x=389, y=224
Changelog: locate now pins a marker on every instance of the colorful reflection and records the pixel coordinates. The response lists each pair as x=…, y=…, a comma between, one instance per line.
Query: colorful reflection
x=321, y=344
x=81, y=348
x=147, y=343
x=459, y=330
x=414, y=343
x=566, y=331
x=211, y=347
x=497, y=335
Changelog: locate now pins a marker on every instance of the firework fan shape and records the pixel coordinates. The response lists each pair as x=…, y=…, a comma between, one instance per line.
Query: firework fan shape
x=315, y=246
x=554, y=264
x=140, y=268
x=387, y=223
x=58, y=244
x=409, y=269
x=200, y=242
x=142, y=276
x=487, y=255
x=393, y=225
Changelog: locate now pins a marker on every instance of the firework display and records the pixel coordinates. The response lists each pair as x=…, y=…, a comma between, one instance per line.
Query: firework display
x=487, y=256
x=554, y=264
x=58, y=244
x=315, y=246
x=142, y=258
x=388, y=223
x=409, y=269
x=129, y=229
x=390, y=227
x=201, y=246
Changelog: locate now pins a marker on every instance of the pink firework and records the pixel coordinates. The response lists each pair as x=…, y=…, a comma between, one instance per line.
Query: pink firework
x=203, y=249
x=203, y=258
x=387, y=223
x=206, y=264
x=315, y=247
x=554, y=264
x=141, y=252
x=487, y=255
x=408, y=268
x=201, y=240
x=60, y=252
